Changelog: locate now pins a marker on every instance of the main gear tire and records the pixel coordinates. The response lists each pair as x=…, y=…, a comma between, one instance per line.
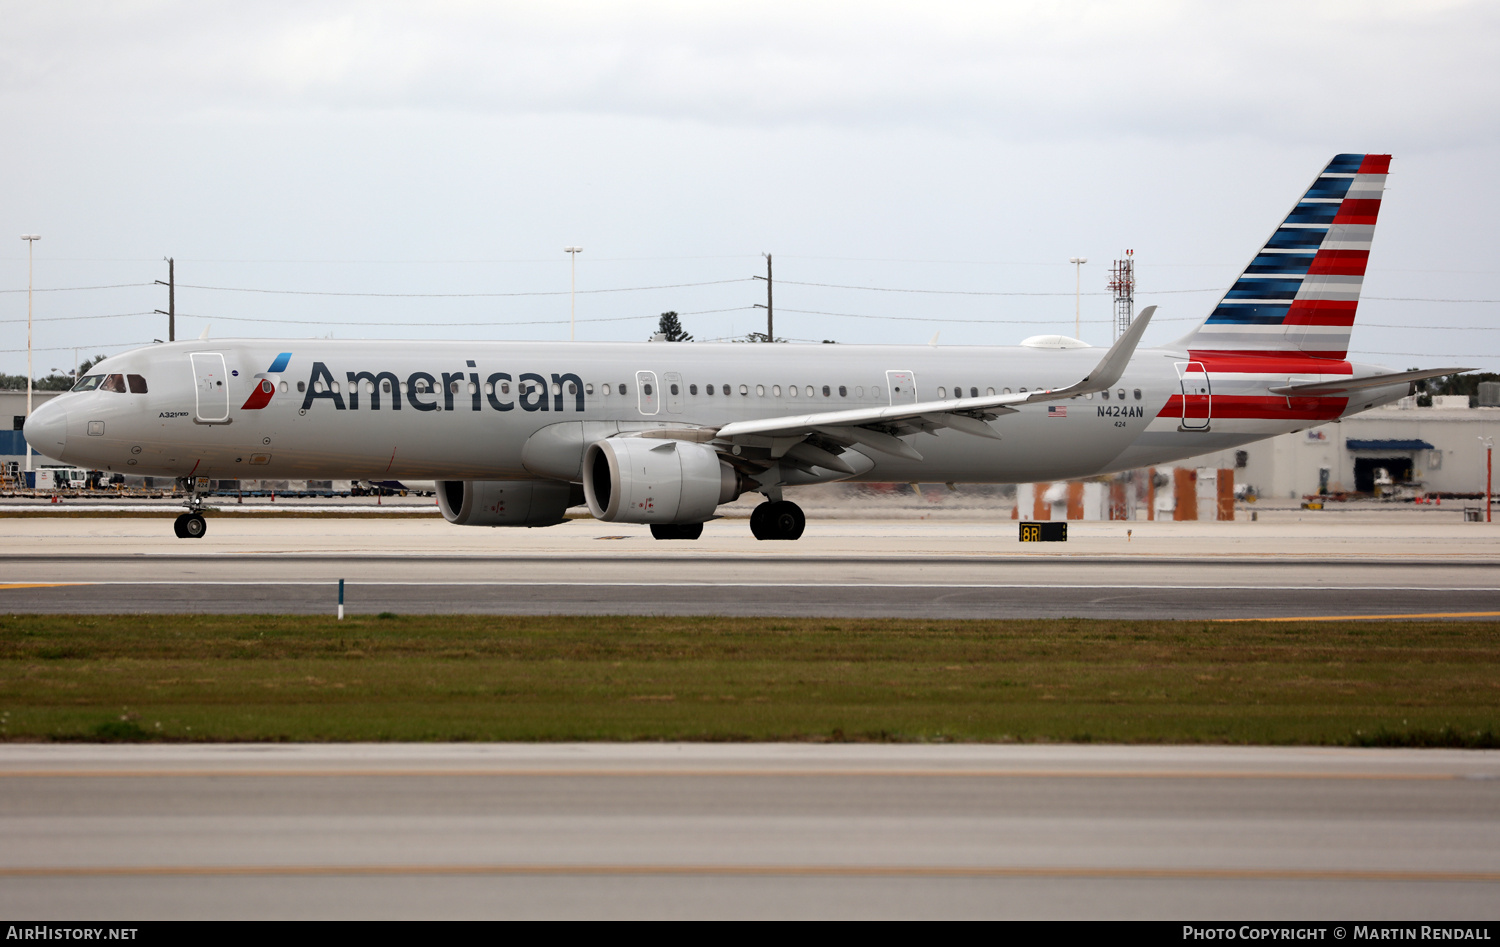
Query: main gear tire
x=676, y=530
x=779, y=519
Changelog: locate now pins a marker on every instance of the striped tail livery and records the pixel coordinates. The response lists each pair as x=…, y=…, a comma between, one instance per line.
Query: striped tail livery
x=1299, y=295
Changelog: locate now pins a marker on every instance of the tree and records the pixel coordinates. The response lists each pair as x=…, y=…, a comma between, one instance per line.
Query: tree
x=670, y=329
x=760, y=337
x=1455, y=385
x=56, y=381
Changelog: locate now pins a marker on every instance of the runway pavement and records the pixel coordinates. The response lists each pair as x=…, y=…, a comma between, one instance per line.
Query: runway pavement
x=747, y=831
x=1288, y=565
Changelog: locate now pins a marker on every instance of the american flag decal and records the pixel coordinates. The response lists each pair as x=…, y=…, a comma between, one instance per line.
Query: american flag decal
x=1057, y=411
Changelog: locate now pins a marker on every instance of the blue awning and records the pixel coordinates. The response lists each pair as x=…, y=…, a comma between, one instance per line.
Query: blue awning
x=1388, y=444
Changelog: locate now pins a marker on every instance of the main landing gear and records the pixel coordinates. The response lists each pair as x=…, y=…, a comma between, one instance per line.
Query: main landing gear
x=777, y=519
x=191, y=525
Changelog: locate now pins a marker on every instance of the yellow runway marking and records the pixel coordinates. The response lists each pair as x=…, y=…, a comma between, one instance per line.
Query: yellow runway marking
x=39, y=585
x=823, y=871
x=595, y=773
x=1371, y=617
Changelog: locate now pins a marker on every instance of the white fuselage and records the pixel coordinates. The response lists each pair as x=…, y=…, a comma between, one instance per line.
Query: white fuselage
x=489, y=410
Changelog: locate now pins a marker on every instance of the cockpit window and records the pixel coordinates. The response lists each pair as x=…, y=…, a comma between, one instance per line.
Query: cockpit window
x=88, y=383
x=137, y=384
x=113, y=383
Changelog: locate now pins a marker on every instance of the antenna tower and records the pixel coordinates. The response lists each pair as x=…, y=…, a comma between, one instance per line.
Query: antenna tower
x=1122, y=284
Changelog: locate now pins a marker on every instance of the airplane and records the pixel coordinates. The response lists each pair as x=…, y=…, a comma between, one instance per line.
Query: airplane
x=518, y=433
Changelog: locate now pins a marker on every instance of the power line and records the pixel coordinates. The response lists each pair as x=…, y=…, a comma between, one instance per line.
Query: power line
x=90, y=345
x=71, y=289
x=113, y=315
x=977, y=292
x=558, y=292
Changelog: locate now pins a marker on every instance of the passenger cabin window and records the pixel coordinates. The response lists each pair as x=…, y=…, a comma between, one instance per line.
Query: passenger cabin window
x=674, y=388
x=1104, y=395
x=1138, y=394
x=88, y=383
x=843, y=391
x=1121, y=394
x=973, y=392
x=744, y=389
x=113, y=383
x=692, y=389
x=776, y=391
x=708, y=389
x=826, y=392
x=942, y=392
x=302, y=386
x=622, y=389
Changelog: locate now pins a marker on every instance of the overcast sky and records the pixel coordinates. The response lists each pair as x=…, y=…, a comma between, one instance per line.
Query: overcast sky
x=970, y=148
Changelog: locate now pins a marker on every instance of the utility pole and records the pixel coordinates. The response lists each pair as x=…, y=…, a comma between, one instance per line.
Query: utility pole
x=573, y=252
x=171, y=310
x=1077, y=262
x=31, y=239
x=768, y=307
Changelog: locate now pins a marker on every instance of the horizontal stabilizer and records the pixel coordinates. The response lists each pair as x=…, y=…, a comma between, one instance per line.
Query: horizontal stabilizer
x=1342, y=385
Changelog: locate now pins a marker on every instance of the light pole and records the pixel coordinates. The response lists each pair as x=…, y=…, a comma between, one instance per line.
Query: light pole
x=31, y=239
x=1077, y=262
x=1489, y=467
x=573, y=291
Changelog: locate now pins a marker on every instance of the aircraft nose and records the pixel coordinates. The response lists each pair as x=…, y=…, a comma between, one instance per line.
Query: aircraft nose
x=47, y=430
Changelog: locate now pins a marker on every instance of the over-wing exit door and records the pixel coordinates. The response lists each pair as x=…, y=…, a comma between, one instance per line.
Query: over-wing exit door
x=903, y=386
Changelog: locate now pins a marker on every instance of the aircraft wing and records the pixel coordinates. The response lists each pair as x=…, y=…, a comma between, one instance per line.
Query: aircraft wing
x=1341, y=385
x=875, y=427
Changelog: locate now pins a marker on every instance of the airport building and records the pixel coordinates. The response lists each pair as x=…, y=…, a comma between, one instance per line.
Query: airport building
x=12, y=443
x=1401, y=449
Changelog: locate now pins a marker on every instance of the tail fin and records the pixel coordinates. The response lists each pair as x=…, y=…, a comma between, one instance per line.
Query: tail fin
x=1299, y=295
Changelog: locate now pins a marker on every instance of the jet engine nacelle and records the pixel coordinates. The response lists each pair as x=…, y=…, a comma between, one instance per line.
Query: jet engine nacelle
x=505, y=502
x=651, y=480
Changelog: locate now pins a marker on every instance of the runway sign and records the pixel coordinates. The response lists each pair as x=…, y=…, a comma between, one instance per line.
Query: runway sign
x=1044, y=532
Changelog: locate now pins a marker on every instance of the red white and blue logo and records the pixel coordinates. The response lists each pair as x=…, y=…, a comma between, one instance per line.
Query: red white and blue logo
x=265, y=384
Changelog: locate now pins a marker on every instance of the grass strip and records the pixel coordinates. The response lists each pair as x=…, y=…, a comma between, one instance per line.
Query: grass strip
x=553, y=678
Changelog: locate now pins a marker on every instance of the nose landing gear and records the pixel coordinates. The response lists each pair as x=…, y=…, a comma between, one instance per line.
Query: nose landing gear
x=777, y=519
x=191, y=525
